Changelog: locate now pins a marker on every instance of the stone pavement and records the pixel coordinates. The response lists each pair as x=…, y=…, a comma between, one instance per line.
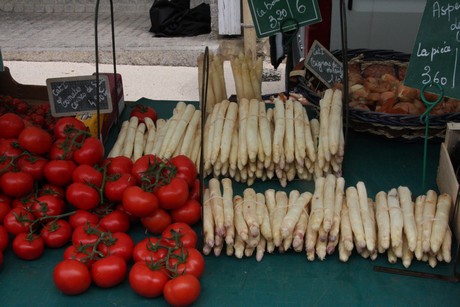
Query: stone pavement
x=71, y=37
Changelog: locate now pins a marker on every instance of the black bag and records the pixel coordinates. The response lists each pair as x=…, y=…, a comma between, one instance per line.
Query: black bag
x=175, y=18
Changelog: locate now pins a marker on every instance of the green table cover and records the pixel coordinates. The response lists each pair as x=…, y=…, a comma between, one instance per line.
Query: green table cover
x=287, y=279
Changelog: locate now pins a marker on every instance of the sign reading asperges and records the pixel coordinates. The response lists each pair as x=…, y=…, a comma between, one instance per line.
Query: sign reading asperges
x=435, y=59
x=272, y=16
x=77, y=95
x=324, y=65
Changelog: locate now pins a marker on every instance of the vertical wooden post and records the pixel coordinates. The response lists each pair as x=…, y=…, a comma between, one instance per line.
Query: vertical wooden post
x=249, y=32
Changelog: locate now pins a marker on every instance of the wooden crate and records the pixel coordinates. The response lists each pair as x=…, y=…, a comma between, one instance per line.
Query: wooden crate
x=446, y=177
x=29, y=93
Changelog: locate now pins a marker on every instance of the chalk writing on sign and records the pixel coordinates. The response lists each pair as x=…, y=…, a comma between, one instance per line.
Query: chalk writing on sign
x=435, y=56
x=327, y=68
x=269, y=16
x=76, y=95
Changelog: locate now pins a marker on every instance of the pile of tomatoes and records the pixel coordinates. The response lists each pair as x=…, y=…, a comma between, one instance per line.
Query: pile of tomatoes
x=58, y=191
x=36, y=114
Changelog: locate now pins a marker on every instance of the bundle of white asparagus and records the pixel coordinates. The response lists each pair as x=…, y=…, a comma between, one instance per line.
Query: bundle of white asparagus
x=178, y=135
x=331, y=218
x=248, y=141
x=247, y=74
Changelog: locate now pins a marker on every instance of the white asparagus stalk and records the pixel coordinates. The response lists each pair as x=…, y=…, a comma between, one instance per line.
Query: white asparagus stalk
x=369, y=229
x=338, y=201
x=383, y=220
x=344, y=254
x=371, y=206
x=264, y=129
x=227, y=131
x=282, y=202
x=209, y=136
x=252, y=129
x=190, y=133
x=317, y=207
x=229, y=249
x=335, y=118
x=280, y=126
x=260, y=249
x=233, y=158
x=355, y=216
x=118, y=146
x=208, y=220
x=217, y=133
x=429, y=210
x=179, y=131
x=419, y=204
x=177, y=114
x=300, y=230
x=321, y=245
x=247, y=86
x=161, y=133
x=299, y=133
x=346, y=233
x=241, y=227
x=243, y=111
x=329, y=202
x=407, y=254
x=310, y=240
x=196, y=148
x=407, y=207
x=309, y=142
x=447, y=246
x=239, y=246
x=396, y=218
x=217, y=250
x=128, y=144
x=391, y=256
x=264, y=217
x=217, y=206
x=151, y=132
x=139, y=142
x=441, y=221
x=325, y=106
x=294, y=213
x=228, y=210
x=250, y=212
x=289, y=148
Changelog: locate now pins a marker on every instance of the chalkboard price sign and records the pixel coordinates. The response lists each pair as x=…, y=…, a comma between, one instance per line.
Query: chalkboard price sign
x=435, y=58
x=272, y=16
x=324, y=65
x=77, y=95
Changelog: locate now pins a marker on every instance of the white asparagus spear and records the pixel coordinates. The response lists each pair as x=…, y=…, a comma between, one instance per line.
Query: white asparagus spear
x=241, y=227
x=282, y=202
x=117, y=148
x=289, y=146
x=252, y=130
x=128, y=144
x=293, y=214
x=217, y=133
x=355, y=216
x=228, y=210
x=407, y=207
x=243, y=111
x=346, y=234
x=190, y=133
x=429, y=210
x=369, y=229
x=419, y=203
x=325, y=106
x=329, y=201
x=227, y=131
x=138, y=142
x=217, y=206
x=396, y=218
x=250, y=212
x=208, y=220
x=264, y=129
x=317, y=207
x=441, y=221
x=335, y=121
x=280, y=126
x=338, y=201
x=383, y=220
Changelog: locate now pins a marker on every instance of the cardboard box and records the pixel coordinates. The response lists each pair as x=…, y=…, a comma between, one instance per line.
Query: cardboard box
x=446, y=178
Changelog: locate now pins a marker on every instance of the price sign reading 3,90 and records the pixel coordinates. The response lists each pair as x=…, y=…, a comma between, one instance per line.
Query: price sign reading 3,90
x=435, y=57
x=272, y=16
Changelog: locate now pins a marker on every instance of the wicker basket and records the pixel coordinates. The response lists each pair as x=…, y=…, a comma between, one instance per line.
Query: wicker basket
x=394, y=126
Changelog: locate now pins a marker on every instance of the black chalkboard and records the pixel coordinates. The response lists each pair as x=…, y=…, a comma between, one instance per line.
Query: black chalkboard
x=77, y=95
x=436, y=54
x=324, y=65
x=272, y=16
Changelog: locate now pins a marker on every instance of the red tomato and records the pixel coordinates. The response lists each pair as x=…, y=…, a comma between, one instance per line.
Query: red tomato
x=11, y=125
x=182, y=232
x=172, y=195
x=48, y=205
x=90, y=153
x=116, y=221
x=35, y=166
x=56, y=233
x=190, y=213
x=86, y=234
x=4, y=209
x=51, y=189
x=116, y=185
x=144, y=167
x=188, y=261
x=87, y=174
x=109, y=271
x=28, y=246
x=82, y=196
x=9, y=148
x=118, y=165
x=119, y=244
x=83, y=217
x=195, y=191
x=16, y=184
x=68, y=127
x=183, y=290
x=149, y=249
x=36, y=140
x=186, y=169
x=143, y=111
x=18, y=221
x=157, y=222
x=139, y=202
x=61, y=150
x=71, y=277
x=59, y=172
x=3, y=238
x=146, y=281
x=81, y=254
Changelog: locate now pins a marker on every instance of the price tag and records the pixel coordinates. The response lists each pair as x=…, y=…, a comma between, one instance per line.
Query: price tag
x=77, y=95
x=326, y=67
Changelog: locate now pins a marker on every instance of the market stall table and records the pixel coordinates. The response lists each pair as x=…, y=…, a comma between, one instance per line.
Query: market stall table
x=279, y=279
